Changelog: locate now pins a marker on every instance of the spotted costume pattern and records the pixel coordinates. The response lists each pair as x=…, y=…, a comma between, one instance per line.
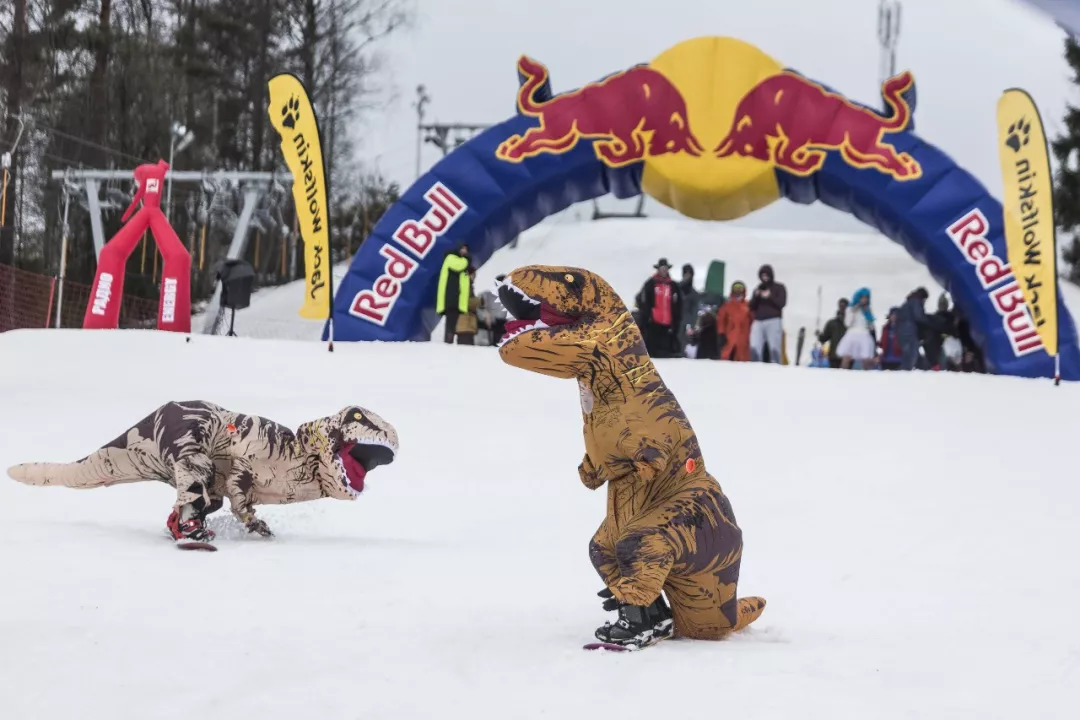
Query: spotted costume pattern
x=210, y=454
x=669, y=527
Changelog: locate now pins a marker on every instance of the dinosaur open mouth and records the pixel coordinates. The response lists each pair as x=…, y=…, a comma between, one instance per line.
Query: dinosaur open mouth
x=529, y=314
x=358, y=459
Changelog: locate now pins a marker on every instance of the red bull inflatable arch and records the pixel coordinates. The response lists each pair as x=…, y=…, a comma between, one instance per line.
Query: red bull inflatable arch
x=715, y=129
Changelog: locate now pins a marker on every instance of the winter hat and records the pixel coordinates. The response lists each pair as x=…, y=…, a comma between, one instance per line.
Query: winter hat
x=738, y=286
x=768, y=270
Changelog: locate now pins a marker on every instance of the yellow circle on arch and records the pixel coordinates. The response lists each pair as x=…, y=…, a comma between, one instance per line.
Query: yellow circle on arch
x=713, y=74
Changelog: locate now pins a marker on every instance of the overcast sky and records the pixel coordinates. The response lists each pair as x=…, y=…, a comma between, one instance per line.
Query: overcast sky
x=963, y=54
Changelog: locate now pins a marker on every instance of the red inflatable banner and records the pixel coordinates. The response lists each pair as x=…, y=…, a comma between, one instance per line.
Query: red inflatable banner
x=174, y=308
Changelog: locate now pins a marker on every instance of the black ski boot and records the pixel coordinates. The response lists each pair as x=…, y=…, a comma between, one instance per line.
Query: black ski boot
x=638, y=626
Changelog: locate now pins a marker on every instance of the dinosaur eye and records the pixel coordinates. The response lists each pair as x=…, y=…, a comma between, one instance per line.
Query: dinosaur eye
x=358, y=415
x=569, y=278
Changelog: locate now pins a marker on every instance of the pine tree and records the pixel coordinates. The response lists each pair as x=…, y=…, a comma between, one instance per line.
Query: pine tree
x=1066, y=149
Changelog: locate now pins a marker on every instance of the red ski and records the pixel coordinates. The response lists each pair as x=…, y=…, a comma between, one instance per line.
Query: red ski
x=609, y=646
x=194, y=545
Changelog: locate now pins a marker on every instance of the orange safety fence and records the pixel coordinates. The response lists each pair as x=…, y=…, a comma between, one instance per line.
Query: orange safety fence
x=29, y=300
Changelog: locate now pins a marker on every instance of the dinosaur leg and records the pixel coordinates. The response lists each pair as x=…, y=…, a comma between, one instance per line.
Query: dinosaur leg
x=703, y=596
x=194, y=475
x=644, y=558
x=602, y=555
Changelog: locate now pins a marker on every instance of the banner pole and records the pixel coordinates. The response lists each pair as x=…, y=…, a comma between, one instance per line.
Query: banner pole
x=330, y=273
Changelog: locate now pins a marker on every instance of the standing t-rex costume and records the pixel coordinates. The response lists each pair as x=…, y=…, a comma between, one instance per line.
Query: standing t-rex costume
x=669, y=526
x=209, y=453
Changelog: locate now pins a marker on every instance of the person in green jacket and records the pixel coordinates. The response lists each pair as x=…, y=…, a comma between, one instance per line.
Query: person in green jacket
x=453, y=297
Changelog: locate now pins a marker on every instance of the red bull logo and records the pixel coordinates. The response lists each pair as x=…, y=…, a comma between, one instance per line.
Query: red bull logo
x=630, y=115
x=712, y=121
x=793, y=122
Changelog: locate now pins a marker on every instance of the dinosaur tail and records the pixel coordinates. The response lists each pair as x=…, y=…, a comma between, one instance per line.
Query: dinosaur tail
x=534, y=75
x=99, y=469
x=750, y=609
x=893, y=92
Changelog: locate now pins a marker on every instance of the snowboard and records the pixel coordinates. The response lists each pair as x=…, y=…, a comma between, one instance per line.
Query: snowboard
x=196, y=545
x=714, y=279
x=607, y=646
x=190, y=544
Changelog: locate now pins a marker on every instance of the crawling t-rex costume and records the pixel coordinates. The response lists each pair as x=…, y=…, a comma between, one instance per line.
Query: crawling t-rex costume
x=669, y=526
x=209, y=453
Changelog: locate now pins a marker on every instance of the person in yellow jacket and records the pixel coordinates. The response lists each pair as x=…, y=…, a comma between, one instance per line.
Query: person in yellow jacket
x=453, y=297
x=468, y=322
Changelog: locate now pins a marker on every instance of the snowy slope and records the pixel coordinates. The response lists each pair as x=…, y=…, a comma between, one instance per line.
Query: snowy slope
x=624, y=251
x=911, y=533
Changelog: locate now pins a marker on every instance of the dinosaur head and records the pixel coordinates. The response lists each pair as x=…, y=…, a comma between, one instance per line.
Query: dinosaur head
x=345, y=447
x=564, y=319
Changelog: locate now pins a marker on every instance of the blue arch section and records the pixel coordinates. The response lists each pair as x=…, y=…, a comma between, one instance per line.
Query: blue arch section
x=471, y=196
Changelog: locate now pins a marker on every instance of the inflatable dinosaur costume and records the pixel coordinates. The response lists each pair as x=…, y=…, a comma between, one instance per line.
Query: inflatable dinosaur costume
x=209, y=453
x=669, y=527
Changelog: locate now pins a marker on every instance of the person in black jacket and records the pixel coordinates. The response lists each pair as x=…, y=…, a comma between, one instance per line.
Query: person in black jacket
x=911, y=323
x=972, y=357
x=660, y=301
x=940, y=325
x=767, y=305
x=834, y=331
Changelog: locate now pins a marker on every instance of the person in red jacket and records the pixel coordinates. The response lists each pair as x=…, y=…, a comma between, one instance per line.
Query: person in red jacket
x=660, y=301
x=733, y=321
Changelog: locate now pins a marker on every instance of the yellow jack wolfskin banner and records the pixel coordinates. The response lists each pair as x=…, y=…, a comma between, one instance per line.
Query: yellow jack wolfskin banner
x=293, y=117
x=1029, y=209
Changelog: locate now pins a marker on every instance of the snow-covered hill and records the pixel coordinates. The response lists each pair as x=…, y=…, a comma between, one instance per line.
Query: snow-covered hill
x=911, y=533
x=625, y=250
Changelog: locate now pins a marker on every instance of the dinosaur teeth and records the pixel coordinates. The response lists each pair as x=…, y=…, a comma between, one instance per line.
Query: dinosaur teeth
x=537, y=325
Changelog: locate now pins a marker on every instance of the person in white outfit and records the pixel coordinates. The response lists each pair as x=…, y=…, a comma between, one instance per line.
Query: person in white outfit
x=858, y=342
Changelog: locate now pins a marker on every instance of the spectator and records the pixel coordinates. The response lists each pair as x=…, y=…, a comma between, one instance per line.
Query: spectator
x=453, y=294
x=834, y=330
x=492, y=315
x=691, y=302
x=910, y=322
x=938, y=326
x=767, y=306
x=733, y=325
x=890, y=345
x=467, y=322
x=858, y=341
x=661, y=309
x=704, y=334
x=971, y=359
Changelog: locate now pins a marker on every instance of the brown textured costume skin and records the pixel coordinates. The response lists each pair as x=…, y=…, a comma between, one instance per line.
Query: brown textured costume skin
x=668, y=526
x=209, y=453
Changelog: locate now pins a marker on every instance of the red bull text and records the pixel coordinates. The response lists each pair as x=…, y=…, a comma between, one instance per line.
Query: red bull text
x=996, y=276
x=792, y=122
x=416, y=238
x=632, y=115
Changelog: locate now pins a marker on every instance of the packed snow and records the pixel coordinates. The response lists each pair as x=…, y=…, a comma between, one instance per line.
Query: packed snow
x=911, y=532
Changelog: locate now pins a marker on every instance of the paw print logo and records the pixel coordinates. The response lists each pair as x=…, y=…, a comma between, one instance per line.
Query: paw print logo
x=291, y=113
x=1019, y=134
